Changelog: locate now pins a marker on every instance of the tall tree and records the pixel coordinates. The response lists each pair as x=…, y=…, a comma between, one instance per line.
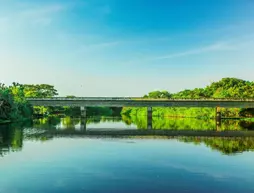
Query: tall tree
x=40, y=90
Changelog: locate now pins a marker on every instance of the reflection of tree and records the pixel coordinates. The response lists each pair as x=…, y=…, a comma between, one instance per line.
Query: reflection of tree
x=17, y=139
x=127, y=120
x=224, y=145
x=247, y=124
x=110, y=119
x=184, y=123
x=69, y=123
x=140, y=121
x=101, y=119
x=11, y=138
x=47, y=122
x=36, y=135
x=96, y=119
x=5, y=140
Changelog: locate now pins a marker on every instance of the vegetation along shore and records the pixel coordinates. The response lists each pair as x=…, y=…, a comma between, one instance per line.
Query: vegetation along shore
x=14, y=107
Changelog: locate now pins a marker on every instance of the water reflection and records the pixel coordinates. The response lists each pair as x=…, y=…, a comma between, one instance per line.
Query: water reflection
x=123, y=165
x=224, y=145
x=12, y=136
x=141, y=123
x=11, y=139
x=189, y=123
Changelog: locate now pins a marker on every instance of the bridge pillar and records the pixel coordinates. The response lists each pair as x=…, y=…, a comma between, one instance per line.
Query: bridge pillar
x=83, y=112
x=83, y=124
x=218, y=118
x=149, y=117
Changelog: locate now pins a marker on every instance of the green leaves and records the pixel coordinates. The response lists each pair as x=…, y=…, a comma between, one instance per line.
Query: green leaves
x=13, y=102
x=158, y=95
x=40, y=90
x=225, y=88
x=231, y=88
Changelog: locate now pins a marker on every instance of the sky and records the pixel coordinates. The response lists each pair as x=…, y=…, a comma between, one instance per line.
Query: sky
x=125, y=47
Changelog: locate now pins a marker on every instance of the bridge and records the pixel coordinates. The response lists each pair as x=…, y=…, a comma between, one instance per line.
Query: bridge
x=84, y=102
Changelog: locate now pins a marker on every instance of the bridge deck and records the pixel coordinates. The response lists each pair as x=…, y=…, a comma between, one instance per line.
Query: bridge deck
x=139, y=98
x=140, y=102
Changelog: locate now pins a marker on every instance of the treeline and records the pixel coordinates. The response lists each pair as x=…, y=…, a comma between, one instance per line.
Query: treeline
x=69, y=123
x=158, y=123
x=13, y=103
x=12, y=137
x=226, y=146
x=14, y=106
x=225, y=88
x=188, y=124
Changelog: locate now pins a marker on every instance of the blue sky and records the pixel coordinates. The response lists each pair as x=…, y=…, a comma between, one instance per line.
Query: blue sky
x=125, y=47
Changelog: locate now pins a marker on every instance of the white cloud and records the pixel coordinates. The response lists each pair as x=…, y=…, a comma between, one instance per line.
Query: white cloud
x=216, y=47
x=42, y=11
x=42, y=15
x=210, y=48
x=93, y=72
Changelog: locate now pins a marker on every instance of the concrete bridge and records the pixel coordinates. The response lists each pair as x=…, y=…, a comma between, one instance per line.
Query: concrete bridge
x=84, y=102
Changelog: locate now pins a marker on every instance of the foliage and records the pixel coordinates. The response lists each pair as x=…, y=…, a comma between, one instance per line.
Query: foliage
x=12, y=136
x=225, y=88
x=13, y=104
x=188, y=123
x=227, y=146
x=39, y=90
x=158, y=94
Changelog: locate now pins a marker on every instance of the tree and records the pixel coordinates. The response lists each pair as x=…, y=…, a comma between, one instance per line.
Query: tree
x=40, y=90
x=13, y=104
x=158, y=95
x=225, y=88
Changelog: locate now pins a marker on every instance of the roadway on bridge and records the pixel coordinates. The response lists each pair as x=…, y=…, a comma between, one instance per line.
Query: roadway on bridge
x=140, y=102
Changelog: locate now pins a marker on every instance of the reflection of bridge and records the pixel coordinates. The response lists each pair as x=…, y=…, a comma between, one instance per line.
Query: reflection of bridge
x=228, y=142
x=84, y=102
x=160, y=133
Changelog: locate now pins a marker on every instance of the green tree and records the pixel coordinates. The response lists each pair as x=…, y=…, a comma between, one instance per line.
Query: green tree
x=13, y=104
x=40, y=90
x=158, y=95
x=225, y=88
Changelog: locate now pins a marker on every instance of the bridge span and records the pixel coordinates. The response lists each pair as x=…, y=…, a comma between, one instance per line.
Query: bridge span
x=84, y=102
x=140, y=102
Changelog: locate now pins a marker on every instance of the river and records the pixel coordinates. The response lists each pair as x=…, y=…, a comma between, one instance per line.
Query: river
x=61, y=155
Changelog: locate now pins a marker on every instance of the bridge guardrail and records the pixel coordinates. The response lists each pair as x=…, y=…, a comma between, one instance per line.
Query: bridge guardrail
x=138, y=98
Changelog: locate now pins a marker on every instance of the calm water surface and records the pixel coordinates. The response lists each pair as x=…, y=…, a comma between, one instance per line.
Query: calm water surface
x=33, y=160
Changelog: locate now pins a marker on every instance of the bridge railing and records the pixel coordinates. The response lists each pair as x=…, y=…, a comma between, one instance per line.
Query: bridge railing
x=139, y=98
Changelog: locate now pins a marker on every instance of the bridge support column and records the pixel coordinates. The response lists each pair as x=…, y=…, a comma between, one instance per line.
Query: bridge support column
x=218, y=118
x=82, y=123
x=149, y=117
x=83, y=112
